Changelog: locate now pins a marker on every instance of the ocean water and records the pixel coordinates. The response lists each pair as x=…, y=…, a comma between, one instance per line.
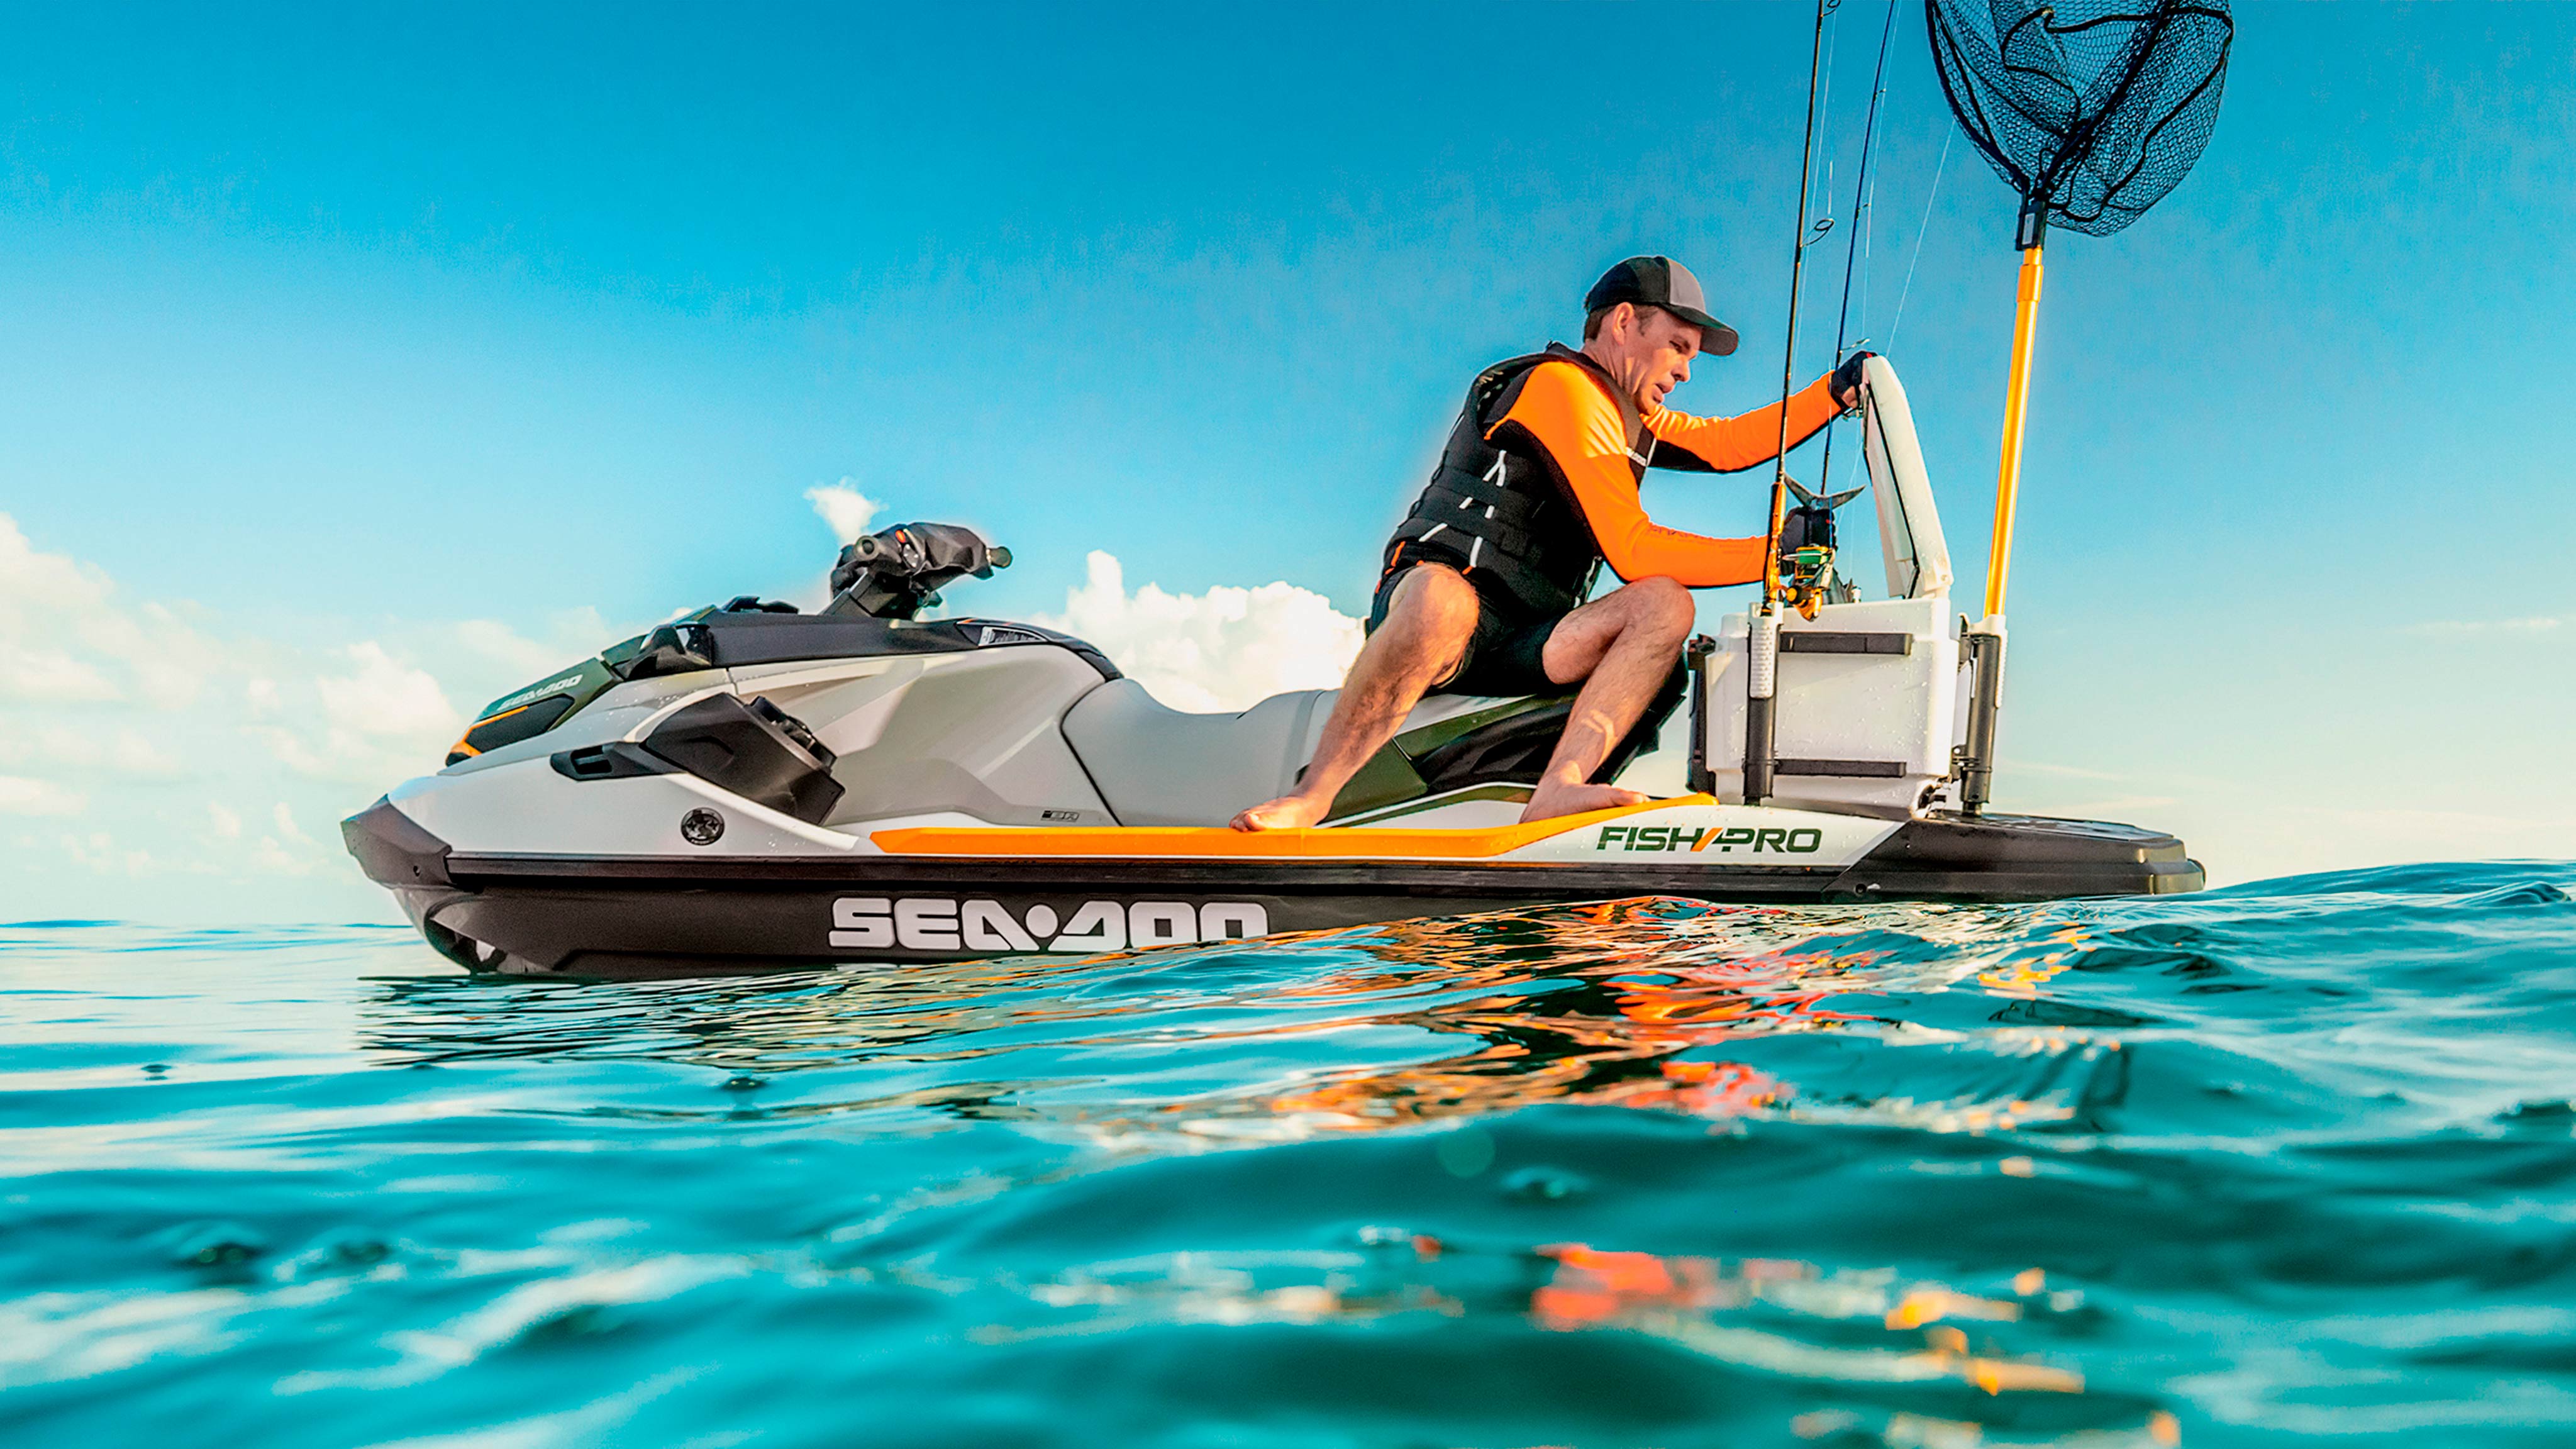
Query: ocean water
x=2285, y=1164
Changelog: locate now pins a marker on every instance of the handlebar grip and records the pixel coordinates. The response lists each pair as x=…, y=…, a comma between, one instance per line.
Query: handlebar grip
x=999, y=556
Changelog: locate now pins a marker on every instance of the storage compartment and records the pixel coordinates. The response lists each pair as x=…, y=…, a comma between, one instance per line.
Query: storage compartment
x=1868, y=704
x=756, y=750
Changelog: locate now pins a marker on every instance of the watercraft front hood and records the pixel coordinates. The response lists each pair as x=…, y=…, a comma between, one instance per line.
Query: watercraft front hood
x=735, y=636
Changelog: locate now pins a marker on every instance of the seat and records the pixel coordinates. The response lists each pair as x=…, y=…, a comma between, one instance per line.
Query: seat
x=1156, y=765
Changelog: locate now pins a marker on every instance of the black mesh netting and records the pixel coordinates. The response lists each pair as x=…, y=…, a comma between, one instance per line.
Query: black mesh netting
x=2092, y=109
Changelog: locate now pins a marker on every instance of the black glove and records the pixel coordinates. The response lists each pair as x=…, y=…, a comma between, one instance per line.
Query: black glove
x=1847, y=378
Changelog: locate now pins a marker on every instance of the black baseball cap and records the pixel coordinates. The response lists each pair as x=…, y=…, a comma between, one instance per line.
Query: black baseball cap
x=1662, y=282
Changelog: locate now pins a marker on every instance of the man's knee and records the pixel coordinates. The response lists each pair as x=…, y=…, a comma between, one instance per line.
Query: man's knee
x=1434, y=600
x=1663, y=606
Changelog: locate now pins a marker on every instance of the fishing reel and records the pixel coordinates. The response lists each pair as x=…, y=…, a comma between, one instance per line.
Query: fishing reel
x=1805, y=562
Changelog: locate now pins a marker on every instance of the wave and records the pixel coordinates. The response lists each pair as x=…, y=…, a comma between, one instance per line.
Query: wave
x=2282, y=1162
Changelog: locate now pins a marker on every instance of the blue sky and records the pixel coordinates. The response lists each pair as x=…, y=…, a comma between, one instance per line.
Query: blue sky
x=368, y=353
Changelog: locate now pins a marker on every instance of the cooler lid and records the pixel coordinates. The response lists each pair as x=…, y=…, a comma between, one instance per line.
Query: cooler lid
x=1909, y=524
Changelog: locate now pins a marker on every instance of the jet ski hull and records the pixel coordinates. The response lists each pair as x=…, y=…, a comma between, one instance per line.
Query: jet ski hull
x=695, y=915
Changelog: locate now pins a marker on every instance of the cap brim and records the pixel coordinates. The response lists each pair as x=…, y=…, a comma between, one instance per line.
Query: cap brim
x=1715, y=337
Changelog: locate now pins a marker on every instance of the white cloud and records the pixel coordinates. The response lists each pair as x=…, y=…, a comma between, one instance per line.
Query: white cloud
x=2256, y=834
x=2536, y=624
x=1226, y=649
x=844, y=509
x=33, y=584
x=2070, y=771
x=269, y=858
x=20, y=795
x=2117, y=807
x=520, y=656
x=65, y=639
x=381, y=721
x=148, y=723
x=505, y=645
x=98, y=851
x=130, y=754
x=286, y=825
x=47, y=676
x=139, y=719
x=849, y=514
x=87, y=750
x=385, y=699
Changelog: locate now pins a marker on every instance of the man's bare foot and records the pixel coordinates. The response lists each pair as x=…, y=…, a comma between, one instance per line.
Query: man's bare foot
x=1288, y=812
x=1551, y=799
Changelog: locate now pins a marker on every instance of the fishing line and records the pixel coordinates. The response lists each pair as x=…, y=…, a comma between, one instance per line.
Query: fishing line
x=1851, y=245
x=1926, y=225
x=1868, y=251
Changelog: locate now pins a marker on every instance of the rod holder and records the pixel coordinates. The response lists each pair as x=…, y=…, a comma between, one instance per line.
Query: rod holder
x=1702, y=780
x=1761, y=684
x=1985, y=641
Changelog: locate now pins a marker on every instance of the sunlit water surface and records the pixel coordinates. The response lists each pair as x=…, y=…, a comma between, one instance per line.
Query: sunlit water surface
x=2284, y=1164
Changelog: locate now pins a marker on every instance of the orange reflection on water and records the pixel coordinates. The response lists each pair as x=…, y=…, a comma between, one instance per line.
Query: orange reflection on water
x=1674, y=1296
x=1619, y=1006
x=2024, y=978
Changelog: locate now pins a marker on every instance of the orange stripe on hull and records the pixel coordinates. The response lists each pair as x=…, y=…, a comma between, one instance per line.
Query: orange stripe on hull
x=1219, y=843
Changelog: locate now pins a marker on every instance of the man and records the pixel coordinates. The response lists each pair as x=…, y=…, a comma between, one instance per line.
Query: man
x=1485, y=580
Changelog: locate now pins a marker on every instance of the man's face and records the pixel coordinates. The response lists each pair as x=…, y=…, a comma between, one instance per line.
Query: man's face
x=1649, y=350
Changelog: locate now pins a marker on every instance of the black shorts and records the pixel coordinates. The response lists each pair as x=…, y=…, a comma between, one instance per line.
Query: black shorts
x=1504, y=656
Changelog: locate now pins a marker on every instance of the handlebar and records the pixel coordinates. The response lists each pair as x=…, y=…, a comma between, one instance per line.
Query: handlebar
x=892, y=573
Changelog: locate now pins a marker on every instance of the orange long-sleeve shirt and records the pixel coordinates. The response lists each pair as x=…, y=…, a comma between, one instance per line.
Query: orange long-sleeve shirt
x=1571, y=416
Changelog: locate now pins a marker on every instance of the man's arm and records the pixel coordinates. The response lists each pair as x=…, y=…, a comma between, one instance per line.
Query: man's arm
x=1727, y=445
x=1565, y=412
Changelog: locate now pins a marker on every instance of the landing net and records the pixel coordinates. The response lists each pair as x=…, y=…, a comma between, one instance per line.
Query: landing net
x=2092, y=109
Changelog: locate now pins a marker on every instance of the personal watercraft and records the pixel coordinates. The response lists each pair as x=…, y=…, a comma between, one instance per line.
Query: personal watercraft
x=752, y=787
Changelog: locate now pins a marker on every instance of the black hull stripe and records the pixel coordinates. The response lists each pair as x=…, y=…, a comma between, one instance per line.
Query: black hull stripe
x=1508, y=881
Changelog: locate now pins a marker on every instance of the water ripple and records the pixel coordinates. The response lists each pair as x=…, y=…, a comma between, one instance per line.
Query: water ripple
x=2290, y=1162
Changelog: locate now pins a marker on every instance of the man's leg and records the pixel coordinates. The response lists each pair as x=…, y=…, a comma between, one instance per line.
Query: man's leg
x=1428, y=623
x=1622, y=646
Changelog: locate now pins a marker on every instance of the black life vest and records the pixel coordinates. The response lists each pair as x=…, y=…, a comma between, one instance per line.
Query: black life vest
x=1500, y=512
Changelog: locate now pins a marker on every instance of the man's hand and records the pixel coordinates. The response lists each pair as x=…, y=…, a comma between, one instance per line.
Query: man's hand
x=1847, y=380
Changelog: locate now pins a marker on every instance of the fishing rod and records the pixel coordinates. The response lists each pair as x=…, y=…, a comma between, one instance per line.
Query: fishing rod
x=1851, y=243
x=1762, y=642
